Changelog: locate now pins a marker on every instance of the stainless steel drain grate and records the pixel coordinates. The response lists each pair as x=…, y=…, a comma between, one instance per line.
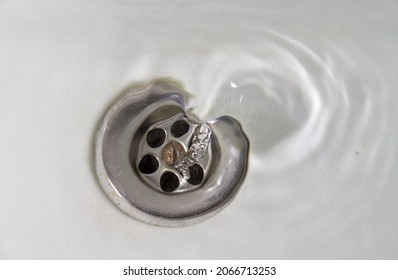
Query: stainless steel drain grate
x=163, y=166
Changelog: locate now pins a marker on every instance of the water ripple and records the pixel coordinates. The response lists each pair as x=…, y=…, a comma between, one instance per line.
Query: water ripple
x=295, y=102
x=319, y=116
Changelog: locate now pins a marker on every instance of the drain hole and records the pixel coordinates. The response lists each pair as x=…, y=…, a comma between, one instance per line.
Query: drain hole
x=155, y=137
x=196, y=174
x=169, y=182
x=179, y=128
x=148, y=164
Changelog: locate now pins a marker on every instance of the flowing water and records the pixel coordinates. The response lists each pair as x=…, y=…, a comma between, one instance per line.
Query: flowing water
x=313, y=84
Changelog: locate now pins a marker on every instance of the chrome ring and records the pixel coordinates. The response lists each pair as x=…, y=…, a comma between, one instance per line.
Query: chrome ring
x=220, y=149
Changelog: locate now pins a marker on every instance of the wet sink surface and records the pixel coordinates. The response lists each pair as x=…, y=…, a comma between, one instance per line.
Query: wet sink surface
x=312, y=83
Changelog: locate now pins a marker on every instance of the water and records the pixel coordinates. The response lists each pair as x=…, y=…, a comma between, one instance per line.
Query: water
x=313, y=84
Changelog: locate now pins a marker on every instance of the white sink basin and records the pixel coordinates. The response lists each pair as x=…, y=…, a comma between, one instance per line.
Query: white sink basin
x=312, y=82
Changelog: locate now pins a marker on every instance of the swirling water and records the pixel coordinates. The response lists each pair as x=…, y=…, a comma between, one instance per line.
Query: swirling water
x=313, y=84
x=320, y=120
x=320, y=112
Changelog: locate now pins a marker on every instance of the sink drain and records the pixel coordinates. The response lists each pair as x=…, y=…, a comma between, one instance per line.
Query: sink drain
x=174, y=155
x=163, y=166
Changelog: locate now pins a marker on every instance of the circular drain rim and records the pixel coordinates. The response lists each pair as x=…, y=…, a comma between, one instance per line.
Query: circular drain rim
x=127, y=190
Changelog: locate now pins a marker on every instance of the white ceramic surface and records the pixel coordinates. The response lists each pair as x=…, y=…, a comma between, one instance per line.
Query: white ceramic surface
x=313, y=83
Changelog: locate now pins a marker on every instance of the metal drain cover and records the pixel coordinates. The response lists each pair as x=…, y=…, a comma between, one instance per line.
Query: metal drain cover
x=163, y=166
